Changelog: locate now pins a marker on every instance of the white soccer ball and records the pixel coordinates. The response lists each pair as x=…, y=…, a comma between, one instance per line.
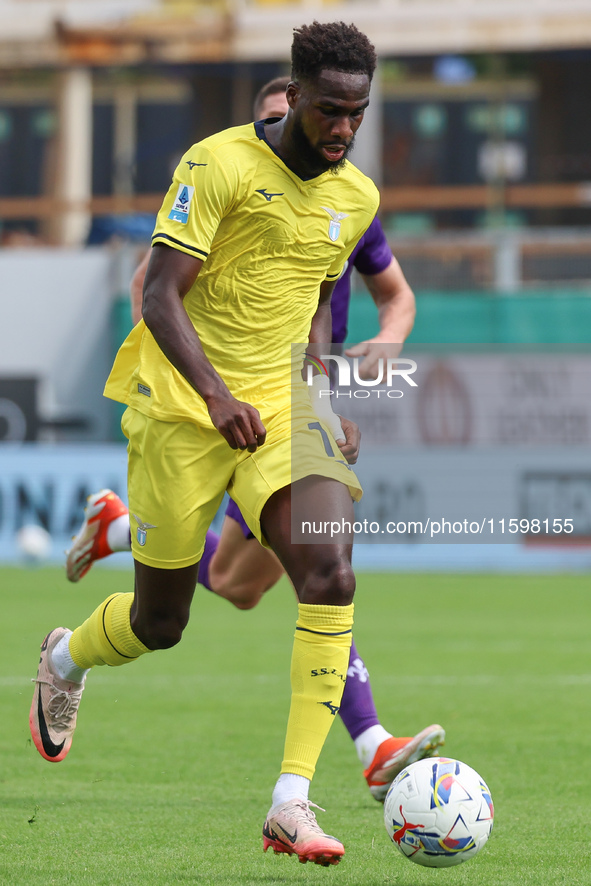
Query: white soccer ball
x=438, y=812
x=34, y=542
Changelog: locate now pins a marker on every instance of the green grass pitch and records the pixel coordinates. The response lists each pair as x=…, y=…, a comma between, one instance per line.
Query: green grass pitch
x=175, y=756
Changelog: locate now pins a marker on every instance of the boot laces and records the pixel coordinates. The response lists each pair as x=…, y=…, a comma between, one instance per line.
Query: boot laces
x=301, y=811
x=63, y=705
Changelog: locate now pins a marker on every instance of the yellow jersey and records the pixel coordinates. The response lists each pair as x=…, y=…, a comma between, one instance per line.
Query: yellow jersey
x=268, y=239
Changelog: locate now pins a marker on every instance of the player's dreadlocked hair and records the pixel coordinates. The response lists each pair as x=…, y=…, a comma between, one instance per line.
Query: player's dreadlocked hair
x=334, y=47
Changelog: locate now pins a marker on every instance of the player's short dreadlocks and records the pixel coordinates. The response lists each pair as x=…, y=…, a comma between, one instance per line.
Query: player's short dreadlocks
x=334, y=46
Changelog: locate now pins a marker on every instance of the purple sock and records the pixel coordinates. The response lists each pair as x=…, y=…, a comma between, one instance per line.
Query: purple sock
x=235, y=513
x=212, y=541
x=357, y=711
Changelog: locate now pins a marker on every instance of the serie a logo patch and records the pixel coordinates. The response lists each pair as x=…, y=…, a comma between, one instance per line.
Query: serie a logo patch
x=182, y=204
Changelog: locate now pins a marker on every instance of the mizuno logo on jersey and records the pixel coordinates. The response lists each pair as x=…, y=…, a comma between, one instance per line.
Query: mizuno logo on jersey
x=191, y=164
x=334, y=225
x=268, y=196
x=182, y=204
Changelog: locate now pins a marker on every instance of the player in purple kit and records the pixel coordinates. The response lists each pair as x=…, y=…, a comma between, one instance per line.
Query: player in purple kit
x=373, y=259
x=234, y=565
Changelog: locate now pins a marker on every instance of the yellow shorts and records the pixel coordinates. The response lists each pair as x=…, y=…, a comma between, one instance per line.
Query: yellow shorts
x=178, y=473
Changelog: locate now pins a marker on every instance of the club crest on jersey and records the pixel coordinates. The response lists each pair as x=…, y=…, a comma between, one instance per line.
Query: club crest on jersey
x=182, y=204
x=142, y=530
x=334, y=225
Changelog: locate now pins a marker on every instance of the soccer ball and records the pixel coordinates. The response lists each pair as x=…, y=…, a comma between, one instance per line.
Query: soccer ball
x=438, y=812
x=34, y=543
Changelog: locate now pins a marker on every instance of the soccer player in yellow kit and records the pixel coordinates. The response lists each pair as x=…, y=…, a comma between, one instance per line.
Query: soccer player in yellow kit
x=234, y=565
x=255, y=229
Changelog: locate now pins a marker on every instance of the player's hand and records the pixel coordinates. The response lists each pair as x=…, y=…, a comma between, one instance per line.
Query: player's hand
x=373, y=349
x=350, y=445
x=239, y=423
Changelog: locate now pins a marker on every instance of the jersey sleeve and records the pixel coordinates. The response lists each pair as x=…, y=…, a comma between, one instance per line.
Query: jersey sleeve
x=199, y=197
x=337, y=270
x=375, y=254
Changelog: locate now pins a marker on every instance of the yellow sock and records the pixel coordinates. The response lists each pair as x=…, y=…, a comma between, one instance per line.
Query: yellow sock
x=106, y=636
x=318, y=672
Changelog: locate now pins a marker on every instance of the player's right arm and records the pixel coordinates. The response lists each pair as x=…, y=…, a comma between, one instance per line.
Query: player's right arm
x=395, y=302
x=169, y=277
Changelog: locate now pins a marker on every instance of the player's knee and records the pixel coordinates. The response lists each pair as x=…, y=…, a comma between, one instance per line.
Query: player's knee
x=243, y=595
x=248, y=603
x=331, y=583
x=247, y=593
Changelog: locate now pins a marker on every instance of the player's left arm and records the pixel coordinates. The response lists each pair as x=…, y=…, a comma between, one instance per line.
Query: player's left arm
x=346, y=433
x=396, y=306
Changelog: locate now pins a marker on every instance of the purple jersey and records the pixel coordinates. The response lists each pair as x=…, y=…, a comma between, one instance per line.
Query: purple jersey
x=371, y=255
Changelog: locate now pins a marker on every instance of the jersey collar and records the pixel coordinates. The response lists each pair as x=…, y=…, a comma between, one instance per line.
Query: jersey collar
x=259, y=128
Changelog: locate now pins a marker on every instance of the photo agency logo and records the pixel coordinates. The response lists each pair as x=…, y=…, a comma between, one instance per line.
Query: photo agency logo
x=345, y=378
